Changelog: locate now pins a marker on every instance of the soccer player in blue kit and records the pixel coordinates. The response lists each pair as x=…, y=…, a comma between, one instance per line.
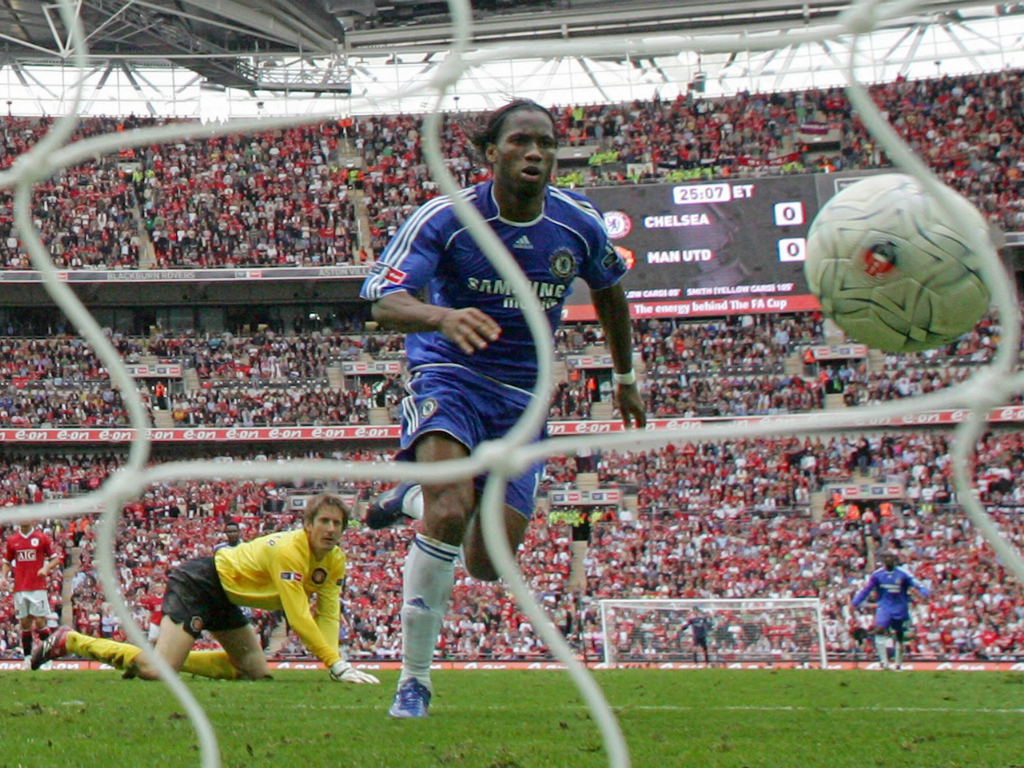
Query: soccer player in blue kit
x=472, y=358
x=892, y=586
x=702, y=626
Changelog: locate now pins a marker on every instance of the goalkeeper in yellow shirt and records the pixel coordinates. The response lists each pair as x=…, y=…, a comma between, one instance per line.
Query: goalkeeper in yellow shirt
x=281, y=571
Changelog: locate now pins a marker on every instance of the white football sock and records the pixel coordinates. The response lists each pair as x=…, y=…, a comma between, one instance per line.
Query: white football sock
x=426, y=589
x=882, y=646
x=899, y=654
x=412, y=503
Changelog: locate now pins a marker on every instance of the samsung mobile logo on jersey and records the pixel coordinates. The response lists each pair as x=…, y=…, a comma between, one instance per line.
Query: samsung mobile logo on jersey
x=550, y=294
x=618, y=224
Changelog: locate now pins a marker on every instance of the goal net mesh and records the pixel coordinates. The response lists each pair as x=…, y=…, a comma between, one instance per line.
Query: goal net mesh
x=779, y=630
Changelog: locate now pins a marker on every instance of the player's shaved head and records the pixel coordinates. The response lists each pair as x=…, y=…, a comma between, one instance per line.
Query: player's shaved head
x=496, y=121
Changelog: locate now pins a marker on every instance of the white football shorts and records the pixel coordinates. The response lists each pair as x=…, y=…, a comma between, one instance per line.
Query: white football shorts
x=31, y=602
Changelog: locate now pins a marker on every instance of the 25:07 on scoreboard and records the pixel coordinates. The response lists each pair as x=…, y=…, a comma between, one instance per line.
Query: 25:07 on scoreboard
x=723, y=192
x=721, y=247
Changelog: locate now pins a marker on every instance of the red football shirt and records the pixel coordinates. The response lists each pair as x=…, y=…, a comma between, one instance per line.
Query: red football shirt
x=28, y=553
x=155, y=605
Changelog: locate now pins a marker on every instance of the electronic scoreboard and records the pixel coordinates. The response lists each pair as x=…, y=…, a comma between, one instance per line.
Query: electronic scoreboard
x=712, y=248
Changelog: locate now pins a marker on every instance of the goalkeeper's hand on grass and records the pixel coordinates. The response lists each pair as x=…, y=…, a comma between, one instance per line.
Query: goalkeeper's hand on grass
x=343, y=672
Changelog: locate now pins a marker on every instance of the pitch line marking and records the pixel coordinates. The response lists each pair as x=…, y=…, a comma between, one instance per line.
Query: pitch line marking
x=677, y=708
x=674, y=707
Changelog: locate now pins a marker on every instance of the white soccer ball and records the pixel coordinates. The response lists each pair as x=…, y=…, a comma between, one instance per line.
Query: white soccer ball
x=893, y=268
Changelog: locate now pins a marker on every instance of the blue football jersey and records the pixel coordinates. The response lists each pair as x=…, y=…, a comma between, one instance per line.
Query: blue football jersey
x=701, y=625
x=434, y=252
x=893, y=590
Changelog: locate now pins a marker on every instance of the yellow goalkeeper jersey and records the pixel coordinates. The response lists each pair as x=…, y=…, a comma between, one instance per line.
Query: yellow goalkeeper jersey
x=278, y=572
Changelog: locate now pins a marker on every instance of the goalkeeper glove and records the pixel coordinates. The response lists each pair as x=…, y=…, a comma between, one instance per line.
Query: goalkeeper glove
x=343, y=672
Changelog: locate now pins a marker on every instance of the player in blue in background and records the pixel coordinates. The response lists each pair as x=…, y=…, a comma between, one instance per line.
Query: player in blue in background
x=892, y=586
x=232, y=535
x=472, y=358
x=701, y=624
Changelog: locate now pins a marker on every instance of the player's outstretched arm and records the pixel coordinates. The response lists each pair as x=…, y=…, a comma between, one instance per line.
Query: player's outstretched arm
x=613, y=312
x=922, y=590
x=470, y=328
x=864, y=592
x=327, y=621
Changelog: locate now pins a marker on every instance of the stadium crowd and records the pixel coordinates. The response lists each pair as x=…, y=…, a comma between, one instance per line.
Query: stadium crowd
x=715, y=367
x=272, y=199
x=968, y=127
x=715, y=519
x=263, y=355
x=722, y=519
x=288, y=197
x=717, y=344
x=86, y=215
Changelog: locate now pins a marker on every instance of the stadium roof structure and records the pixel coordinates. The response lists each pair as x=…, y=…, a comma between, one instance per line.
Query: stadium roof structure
x=228, y=58
x=217, y=39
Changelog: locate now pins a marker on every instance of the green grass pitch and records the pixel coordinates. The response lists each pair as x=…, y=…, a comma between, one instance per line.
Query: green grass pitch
x=532, y=719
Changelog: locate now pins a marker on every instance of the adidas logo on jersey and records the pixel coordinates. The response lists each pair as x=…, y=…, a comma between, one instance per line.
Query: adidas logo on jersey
x=522, y=242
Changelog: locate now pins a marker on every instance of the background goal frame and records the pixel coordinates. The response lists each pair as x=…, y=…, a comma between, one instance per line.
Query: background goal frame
x=719, y=609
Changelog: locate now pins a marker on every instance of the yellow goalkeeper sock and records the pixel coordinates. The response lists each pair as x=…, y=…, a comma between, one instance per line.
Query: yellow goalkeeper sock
x=214, y=664
x=119, y=655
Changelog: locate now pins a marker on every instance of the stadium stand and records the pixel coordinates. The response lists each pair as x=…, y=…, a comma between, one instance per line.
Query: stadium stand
x=714, y=519
x=710, y=368
x=724, y=519
x=286, y=198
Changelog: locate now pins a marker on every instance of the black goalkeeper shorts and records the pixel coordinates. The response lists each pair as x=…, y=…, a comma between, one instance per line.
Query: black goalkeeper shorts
x=196, y=600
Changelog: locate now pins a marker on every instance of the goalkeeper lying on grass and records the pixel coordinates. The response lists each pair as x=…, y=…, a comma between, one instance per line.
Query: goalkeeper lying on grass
x=276, y=572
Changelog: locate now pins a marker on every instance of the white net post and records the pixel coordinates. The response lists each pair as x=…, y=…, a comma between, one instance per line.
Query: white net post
x=607, y=647
x=820, y=620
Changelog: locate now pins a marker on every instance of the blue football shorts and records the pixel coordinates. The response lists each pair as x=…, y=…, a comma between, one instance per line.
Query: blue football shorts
x=472, y=409
x=885, y=620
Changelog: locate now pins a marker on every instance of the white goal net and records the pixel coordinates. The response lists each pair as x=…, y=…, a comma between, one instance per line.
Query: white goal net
x=736, y=631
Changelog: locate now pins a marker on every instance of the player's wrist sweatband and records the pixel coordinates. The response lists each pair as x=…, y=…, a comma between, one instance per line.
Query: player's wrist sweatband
x=624, y=378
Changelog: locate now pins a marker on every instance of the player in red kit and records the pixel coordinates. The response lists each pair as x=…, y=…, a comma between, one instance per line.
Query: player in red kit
x=31, y=554
x=154, y=603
